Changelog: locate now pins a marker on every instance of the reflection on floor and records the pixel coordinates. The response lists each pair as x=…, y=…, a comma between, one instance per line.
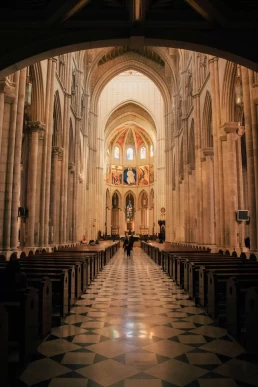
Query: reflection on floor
x=136, y=328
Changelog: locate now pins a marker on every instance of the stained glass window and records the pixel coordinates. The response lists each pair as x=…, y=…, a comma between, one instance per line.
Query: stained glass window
x=116, y=152
x=129, y=154
x=143, y=153
x=129, y=211
x=151, y=151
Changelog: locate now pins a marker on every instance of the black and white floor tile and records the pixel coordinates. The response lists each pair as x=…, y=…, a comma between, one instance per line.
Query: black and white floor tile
x=135, y=328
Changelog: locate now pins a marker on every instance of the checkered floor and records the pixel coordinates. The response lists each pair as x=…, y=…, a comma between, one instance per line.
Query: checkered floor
x=135, y=328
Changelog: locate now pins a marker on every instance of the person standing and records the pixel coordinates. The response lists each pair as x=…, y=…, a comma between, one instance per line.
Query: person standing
x=130, y=246
x=125, y=245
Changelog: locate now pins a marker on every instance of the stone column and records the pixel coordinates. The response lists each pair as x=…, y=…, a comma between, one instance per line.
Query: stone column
x=254, y=113
x=49, y=134
x=230, y=182
x=64, y=169
x=17, y=160
x=216, y=140
x=45, y=151
x=54, y=197
x=11, y=127
x=250, y=160
x=34, y=127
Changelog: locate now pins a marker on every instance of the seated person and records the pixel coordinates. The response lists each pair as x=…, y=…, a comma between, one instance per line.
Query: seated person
x=92, y=242
x=15, y=278
x=83, y=240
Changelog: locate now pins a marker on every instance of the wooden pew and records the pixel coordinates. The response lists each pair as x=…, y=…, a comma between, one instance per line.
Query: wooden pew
x=52, y=267
x=22, y=309
x=217, y=282
x=192, y=267
x=220, y=267
x=3, y=345
x=251, y=320
x=60, y=284
x=237, y=289
x=86, y=258
x=73, y=267
x=94, y=260
x=44, y=287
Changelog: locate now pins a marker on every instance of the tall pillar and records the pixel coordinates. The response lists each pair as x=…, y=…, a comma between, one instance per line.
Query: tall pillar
x=54, y=197
x=17, y=160
x=11, y=127
x=49, y=134
x=250, y=160
x=254, y=115
x=44, y=155
x=216, y=141
x=32, y=181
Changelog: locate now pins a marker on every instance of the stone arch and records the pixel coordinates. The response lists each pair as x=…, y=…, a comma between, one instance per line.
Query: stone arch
x=207, y=133
x=191, y=146
x=227, y=102
x=151, y=201
x=130, y=112
x=57, y=138
x=181, y=161
x=108, y=198
x=136, y=66
x=140, y=197
x=71, y=157
x=133, y=195
x=37, y=105
x=119, y=196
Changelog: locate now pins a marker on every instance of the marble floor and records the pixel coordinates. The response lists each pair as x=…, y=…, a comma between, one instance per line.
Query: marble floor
x=135, y=328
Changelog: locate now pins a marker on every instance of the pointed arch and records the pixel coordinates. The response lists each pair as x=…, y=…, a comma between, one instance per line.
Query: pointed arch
x=151, y=202
x=227, y=102
x=37, y=102
x=133, y=195
x=57, y=138
x=181, y=161
x=71, y=157
x=119, y=196
x=141, y=196
x=207, y=132
x=191, y=146
x=108, y=199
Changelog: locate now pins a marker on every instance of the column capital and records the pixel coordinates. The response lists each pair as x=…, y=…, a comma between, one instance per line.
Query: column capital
x=55, y=150
x=36, y=126
x=207, y=151
x=71, y=167
x=7, y=87
x=229, y=127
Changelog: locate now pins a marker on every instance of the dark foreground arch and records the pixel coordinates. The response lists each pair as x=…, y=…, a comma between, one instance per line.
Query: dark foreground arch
x=20, y=50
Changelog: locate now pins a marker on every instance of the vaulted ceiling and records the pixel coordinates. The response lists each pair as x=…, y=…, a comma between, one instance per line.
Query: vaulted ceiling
x=130, y=134
x=30, y=27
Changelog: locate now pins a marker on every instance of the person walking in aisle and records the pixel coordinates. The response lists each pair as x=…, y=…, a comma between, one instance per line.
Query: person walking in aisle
x=130, y=246
x=125, y=245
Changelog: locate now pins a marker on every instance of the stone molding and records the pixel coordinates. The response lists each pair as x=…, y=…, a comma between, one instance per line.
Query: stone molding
x=36, y=126
x=229, y=127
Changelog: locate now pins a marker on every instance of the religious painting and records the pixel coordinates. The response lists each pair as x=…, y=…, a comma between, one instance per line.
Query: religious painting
x=130, y=176
x=143, y=175
x=117, y=175
x=151, y=173
x=107, y=173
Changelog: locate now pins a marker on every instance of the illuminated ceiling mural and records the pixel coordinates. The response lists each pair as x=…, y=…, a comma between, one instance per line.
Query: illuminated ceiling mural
x=130, y=134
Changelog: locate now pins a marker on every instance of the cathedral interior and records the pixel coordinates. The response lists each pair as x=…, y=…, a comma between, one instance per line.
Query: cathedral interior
x=128, y=118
